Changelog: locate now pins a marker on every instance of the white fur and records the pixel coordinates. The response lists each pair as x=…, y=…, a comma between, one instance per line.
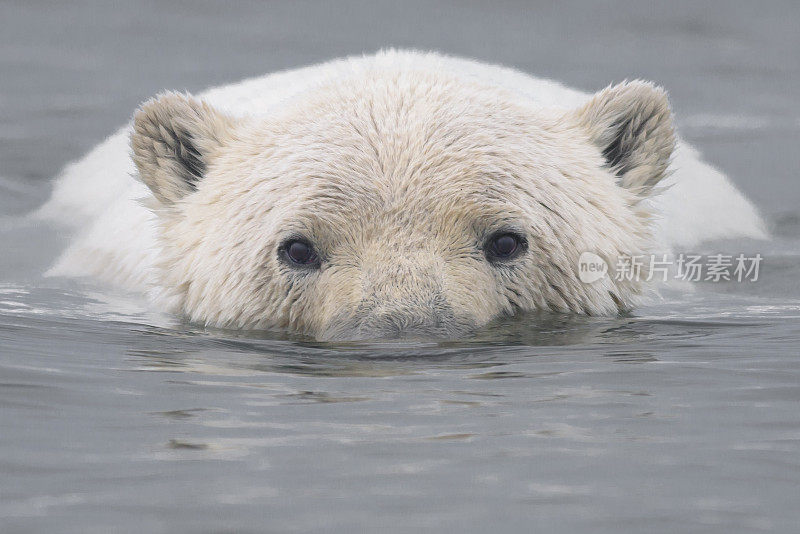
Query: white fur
x=117, y=235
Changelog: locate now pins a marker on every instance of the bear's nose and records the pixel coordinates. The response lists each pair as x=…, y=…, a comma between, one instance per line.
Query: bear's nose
x=401, y=296
x=395, y=323
x=430, y=316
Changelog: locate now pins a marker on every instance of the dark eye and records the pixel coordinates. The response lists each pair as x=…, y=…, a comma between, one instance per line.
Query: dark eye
x=504, y=246
x=300, y=252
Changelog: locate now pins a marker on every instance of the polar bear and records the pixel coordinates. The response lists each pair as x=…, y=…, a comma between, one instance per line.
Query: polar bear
x=395, y=194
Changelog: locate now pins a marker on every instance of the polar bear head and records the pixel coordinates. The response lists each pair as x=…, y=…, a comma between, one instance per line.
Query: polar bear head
x=400, y=204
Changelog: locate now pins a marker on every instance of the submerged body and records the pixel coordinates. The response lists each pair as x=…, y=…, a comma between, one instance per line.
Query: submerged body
x=388, y=194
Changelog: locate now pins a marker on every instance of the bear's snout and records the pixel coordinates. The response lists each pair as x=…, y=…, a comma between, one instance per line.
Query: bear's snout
x=401, y=298
x=428, y=318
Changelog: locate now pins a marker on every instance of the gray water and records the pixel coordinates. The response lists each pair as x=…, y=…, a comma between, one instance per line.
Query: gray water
x=682, y=417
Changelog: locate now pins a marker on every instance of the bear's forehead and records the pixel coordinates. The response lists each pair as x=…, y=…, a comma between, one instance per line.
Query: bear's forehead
x=405, y=115
x=410, y=156
x=409, y=192
x=383, y=136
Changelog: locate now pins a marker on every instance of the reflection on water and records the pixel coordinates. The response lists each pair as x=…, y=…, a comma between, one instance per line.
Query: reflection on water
x=109, y=411
x=509, y=341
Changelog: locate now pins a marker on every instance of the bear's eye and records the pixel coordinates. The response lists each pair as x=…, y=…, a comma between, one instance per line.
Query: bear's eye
x=300, y=252
x=504, y=246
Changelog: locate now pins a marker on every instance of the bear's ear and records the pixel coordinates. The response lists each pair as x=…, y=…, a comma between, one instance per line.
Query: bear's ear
x=631, y=123
x=174, y=136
